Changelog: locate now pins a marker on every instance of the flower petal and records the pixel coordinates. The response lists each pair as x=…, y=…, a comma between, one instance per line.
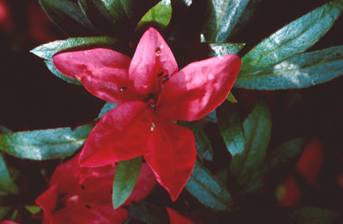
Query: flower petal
x=198, y=88
x=171, y=155
x=103, y=72
x=48, y=201
x=176, y=218
x=152, y=57
x=121, y=134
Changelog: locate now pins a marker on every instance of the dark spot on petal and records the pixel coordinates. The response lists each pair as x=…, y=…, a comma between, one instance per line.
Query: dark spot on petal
x=88, y=206
x=158, y=52
x=165, y=79
x=160, y=74
x=83, y=187
x=122, y=89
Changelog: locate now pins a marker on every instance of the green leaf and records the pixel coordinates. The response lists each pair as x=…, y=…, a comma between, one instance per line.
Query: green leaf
x=106, y=108
x=32, y=209
x=231, y=98
x=208, y=190
x=148, y=213
x=44, y=144
x=314, y=216
x=212, y=116
x=301, y=71
x=4, y=211
x=6, y=183
x=160, y=14
x=68, y=16
x=47, y=51
x=125, y=179
x=202, y=143
x=220, y=49
x=257, y=129
x=231, y=128
x=222, y=18
x=50, y=64
x=292, y=39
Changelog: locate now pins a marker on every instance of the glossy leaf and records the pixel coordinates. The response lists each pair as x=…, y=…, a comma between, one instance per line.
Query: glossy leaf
x=4, y=211
x=257, y=129
x=49, y=63
x=160, y=14
x=68, y=16
x=208, y=190
x=231, y=128
x=202, y=143
x=125, y=179
x=219, y=49
x=292, y=39
x=106, y=108
x=48, y=50
x=222, y=18
x=301, y=71
x=44, y=144
x=7, y=185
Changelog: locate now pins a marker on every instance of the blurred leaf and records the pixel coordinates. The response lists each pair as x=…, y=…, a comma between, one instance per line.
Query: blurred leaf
x=231, y=98
x=301, y=71
x=44, y=144
x=49, y=63
x=211, y=117
x=222, y=18
x=159, y=14
x=219, y=49
x=106, y=108
x=4, y=130
x=6, y=183
x=231, y=128
x=148, y=213
x=314, y=216
x=4, y=211
x=125, y=179
x=208, y=190
x=257, y=129
x=33, y=209
x=292, y=39
x=48, y=50
x=202, y=143
x=68, y=16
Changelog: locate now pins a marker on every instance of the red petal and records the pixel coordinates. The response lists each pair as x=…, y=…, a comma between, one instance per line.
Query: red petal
x=152, y=57
x=103, y=72
x=176, y=218
x=198, y=88
x=121, y=134
x=48, y=201
x=171, y=155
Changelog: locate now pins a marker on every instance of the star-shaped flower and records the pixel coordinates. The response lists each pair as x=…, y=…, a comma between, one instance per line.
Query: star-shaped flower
x=151, y=93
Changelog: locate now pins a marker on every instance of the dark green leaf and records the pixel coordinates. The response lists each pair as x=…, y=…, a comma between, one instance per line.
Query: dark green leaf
x=47, y=51
x=292, y=39
x=222, y=18
x=44, y=144
x=231, y=128
x=68, y=16
x=257, y=129
x=219, y=49
x=231, y=98
x=4, y=130
x=49, y=63
x=7, y=185
x=33, y=209
x=301, y=71
x=125, y=179
x=4, y=211
x=211, y=117
x=202, y=143
x=160, y=14
x=208, y=190
x=148, y=213
x=314, y=216
x=106, y=108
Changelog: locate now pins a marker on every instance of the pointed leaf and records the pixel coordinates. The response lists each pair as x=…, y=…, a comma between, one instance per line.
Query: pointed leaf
x=231, y=128
x=301, y=71
x=208, y=190
x=125, y=179
x=106, y=108
x=33, y=209
x=6, y=183
x=223, y=17
x=292, y=39
x=4, y=211
x=257, y=129
x=68, y=16
x=202, y=143
x=49, y=63
x=231, y=98
x=160, y=14
x=220, y=49
x=44, y=144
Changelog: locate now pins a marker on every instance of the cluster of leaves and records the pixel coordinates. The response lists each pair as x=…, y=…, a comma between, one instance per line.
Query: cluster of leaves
x=195, y=30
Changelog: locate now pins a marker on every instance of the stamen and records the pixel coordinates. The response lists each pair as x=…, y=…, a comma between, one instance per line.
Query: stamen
x=122, y=89
x=158, y=52
x=152, y=126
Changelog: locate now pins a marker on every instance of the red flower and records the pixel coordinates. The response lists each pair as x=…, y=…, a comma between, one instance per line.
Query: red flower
x=151, y=93
x=176, y=218
x=83, y=195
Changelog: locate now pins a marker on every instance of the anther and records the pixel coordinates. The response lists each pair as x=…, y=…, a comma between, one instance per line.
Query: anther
x=122, y=89
x=158, y=52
